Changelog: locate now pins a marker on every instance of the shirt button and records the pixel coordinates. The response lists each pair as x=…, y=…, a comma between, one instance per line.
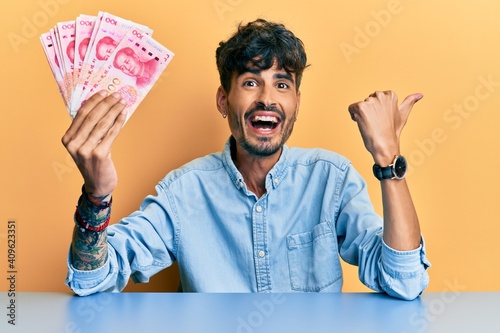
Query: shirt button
x=261, y=254
x=258, y=209
x=276, y=181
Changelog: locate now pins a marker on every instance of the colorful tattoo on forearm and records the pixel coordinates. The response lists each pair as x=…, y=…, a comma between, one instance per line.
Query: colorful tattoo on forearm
x=89, y=250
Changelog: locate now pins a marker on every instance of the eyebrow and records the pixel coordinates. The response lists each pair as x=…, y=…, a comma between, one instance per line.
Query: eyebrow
x=285, y=76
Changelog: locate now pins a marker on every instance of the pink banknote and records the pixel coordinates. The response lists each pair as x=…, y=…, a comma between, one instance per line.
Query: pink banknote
x=133, y=68
x=84, y=29
x=49, y=48
x=103, y=52
x=109, y=32
x=66, y=34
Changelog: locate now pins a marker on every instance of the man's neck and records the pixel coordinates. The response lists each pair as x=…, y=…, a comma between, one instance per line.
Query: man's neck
x=254, y=169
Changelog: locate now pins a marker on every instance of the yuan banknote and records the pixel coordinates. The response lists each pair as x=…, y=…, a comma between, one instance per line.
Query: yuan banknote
x=84, y=29
x=50, y=51
x=66, y=34
x=132, y=69
x=103, y=52
x=110, y=30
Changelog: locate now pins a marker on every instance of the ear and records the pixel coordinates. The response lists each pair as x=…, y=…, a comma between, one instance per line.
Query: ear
x=298, y=105
x=221, y=100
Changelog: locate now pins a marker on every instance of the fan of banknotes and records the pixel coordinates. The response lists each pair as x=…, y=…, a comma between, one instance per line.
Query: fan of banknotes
x=104, y=52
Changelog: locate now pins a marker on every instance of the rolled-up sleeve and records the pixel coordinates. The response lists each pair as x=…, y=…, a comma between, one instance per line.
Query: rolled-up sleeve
x=401, y=274
x=84, y=283
x=139, y=246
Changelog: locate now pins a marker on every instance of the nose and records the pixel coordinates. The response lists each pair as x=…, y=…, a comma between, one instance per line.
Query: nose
x=266, y=96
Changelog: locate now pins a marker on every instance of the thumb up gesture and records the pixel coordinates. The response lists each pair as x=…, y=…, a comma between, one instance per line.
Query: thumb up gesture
x=380, y=120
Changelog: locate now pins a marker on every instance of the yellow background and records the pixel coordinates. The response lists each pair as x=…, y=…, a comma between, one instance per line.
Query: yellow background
x=445, y=49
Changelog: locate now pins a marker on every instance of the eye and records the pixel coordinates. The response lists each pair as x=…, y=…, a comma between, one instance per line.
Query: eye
x=282, y=85
x=249, y=83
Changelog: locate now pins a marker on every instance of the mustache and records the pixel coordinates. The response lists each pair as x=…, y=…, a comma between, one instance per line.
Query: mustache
x=262, y=107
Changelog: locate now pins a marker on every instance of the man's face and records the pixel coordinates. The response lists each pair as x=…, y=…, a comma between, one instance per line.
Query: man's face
x=129, y=65
x=262, y=107
x=105, y=50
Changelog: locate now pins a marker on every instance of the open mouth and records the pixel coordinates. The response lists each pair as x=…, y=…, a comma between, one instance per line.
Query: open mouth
x=264, y=123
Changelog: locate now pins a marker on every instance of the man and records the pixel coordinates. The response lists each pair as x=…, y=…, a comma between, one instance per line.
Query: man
x=259, y=216
x=105, y=48
x=129, y=63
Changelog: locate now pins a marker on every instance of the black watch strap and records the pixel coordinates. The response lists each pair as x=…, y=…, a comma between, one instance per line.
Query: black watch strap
x=382, y=173
x=397, y=170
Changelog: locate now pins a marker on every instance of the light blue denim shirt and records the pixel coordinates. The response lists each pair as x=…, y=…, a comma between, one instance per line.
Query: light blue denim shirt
x=225, y=239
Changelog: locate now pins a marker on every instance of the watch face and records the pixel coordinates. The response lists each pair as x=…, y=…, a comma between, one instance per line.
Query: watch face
x=400, y=167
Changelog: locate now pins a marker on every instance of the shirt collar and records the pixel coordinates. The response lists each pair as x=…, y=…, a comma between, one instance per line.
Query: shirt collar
x=273, y=178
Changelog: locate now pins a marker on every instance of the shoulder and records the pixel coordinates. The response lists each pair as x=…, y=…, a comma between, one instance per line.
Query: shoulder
x=198, y=168
x=317, y=156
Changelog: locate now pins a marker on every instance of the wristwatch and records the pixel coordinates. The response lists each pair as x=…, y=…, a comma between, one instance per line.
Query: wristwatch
x=397, y=170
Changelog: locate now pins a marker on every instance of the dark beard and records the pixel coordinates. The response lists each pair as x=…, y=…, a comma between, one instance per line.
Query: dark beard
x=265, y=147
x=263, y=150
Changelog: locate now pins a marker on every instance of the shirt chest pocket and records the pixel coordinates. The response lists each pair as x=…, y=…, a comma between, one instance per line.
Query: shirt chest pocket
x=313, y=259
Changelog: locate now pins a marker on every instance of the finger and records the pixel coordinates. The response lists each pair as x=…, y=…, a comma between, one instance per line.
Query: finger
x=86, y=107
x=100, y=130
x=353, y=110
x=91, y=113
x=90, y=103
x=97, y=161
x=90, y=118
x=406, y=106
x=112, y=133
x=378, y=94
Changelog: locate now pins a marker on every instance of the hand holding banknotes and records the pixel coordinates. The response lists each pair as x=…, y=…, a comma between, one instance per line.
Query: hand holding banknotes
x=89, y=139
x=104, y=66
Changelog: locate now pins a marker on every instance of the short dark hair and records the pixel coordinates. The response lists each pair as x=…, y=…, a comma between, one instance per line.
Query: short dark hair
x=260, y=44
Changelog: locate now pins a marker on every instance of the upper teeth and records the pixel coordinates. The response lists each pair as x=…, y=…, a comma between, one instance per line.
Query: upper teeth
x=266, y=118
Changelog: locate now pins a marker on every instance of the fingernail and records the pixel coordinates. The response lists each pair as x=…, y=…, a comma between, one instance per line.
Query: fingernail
x=124, y=111
x=103, y=93
x=123, y=101
x=116, y=95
